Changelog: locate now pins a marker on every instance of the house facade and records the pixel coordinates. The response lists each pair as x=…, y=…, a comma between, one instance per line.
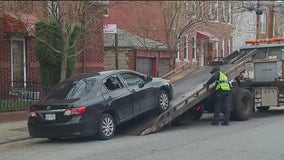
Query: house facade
x=19, y=67
x=201, y=44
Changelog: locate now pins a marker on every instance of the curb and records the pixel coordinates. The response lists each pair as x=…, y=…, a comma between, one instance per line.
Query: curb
x=13, y=116
x=15, y=140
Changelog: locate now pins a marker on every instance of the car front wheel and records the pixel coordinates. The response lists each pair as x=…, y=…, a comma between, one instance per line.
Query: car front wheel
x=163, y=101
x=106, y=127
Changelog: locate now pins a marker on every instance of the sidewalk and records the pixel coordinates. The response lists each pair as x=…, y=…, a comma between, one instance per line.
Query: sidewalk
x=13, y=131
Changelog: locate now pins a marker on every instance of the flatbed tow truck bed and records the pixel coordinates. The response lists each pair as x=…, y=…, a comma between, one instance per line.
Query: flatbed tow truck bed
x=188, y=92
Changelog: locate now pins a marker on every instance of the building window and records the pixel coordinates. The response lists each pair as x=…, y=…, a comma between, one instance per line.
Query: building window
x=194, y=48
x=178, y=52
x=223, y=11
x=202, y=9
x=53, y=9
x=230, y=13
x=263, y=22
x=194, y=7
x=229, y=47
x=185, y=45
x=186, y=9
x=216, y=50
x=223, y=47
x=216, y=11
x=210, y=15
x=18, y=63
x=274, y=25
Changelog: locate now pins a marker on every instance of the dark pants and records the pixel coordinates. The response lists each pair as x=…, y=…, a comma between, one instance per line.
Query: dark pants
x=222, y=104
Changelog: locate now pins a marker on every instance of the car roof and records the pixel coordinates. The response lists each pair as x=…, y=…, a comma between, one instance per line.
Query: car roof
x=102, y=74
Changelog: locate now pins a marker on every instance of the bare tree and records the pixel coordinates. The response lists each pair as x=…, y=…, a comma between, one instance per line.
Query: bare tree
x=67, y=14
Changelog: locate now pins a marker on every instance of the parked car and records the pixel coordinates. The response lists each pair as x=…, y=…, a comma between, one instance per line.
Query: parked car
x=95, y=103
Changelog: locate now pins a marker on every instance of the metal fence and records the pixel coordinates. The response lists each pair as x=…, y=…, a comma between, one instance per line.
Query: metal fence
x=19, y=95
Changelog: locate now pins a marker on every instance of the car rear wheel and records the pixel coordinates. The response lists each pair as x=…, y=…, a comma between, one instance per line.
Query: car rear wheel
x=163, y=101
x=106, y=127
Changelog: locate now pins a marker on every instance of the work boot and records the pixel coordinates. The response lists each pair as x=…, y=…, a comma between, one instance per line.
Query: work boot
x=214, y=123
x=225, y=123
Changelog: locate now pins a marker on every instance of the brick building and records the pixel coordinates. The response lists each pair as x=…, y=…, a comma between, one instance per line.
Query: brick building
x=18, y=61
x=199, y=46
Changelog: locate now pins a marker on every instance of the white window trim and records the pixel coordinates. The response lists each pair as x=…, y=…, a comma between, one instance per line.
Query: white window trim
x=223, y=12
x=216, y=11
x=178, y=52
x=186, y=46
x=24, y=59
x=217, y=47
x=195, y=49
x=229, y=46
x=263, y=19
x=230, y=13
x=210, y=10
x=223, y=48
x=202, y=8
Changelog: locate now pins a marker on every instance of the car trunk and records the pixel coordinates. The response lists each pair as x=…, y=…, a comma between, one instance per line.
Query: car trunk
x=53, y=111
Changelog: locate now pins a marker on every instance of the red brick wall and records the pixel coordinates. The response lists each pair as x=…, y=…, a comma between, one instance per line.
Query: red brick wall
x=92, y=59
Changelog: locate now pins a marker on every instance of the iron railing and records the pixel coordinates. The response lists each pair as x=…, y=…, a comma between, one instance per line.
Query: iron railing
x=20, y=95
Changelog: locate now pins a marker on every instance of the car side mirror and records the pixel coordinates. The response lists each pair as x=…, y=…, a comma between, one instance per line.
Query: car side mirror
x=149, y=79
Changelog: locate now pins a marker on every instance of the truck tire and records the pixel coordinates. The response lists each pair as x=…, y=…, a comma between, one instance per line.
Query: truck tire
x=242, y=104
x=263, y=108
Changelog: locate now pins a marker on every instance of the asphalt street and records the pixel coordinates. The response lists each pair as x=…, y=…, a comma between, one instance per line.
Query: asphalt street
x=259, y=138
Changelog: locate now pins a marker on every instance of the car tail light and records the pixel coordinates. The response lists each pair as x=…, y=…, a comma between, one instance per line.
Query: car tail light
x=32, y=113
x=198, y=108
x=74, y=111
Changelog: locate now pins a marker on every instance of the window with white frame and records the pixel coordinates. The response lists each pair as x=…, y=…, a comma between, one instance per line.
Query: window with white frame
x=186, y=9
x=230, y=13
x=223, y=48
x=216, y=11
x=178, y=52
x=274, y=24
x=53, y=8
x=194, y=48
x=263, y=22
x=185, y=45
x=194, y=7
x=210, y=16
x=202, y=9
x=18, y=62
x=223, y=11
x=216, y=50
x=229, y=47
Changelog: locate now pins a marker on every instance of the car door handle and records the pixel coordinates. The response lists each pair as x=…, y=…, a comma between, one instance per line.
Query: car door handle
x=109, y=98
x=133, y=91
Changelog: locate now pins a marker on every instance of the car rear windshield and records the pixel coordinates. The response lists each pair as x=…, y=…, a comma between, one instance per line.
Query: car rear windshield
x=76, y=89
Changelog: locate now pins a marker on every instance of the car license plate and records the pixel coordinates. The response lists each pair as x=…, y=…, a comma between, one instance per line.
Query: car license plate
x=50, y=117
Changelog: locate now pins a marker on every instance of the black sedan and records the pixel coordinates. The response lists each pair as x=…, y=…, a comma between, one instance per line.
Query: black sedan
x=95, y=103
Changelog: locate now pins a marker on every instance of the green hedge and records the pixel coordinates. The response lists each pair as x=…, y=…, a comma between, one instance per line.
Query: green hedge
x=14, y=105
x=50, y=61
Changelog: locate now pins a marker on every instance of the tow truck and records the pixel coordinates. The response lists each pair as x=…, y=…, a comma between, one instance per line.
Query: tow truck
x=258, y=64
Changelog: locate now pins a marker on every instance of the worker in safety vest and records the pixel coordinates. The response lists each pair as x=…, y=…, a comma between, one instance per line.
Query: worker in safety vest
x=222, y=90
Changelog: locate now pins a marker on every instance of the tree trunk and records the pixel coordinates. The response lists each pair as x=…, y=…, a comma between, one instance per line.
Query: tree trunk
x=63, y=69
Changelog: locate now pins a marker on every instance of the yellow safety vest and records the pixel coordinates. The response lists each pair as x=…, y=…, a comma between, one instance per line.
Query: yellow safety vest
x=223, y=82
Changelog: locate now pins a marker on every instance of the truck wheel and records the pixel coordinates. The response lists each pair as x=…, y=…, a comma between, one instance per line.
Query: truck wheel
x=242, y=104
x=263, y=108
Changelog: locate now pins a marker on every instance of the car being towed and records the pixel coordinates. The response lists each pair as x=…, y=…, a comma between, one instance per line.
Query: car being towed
x=94, y=104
